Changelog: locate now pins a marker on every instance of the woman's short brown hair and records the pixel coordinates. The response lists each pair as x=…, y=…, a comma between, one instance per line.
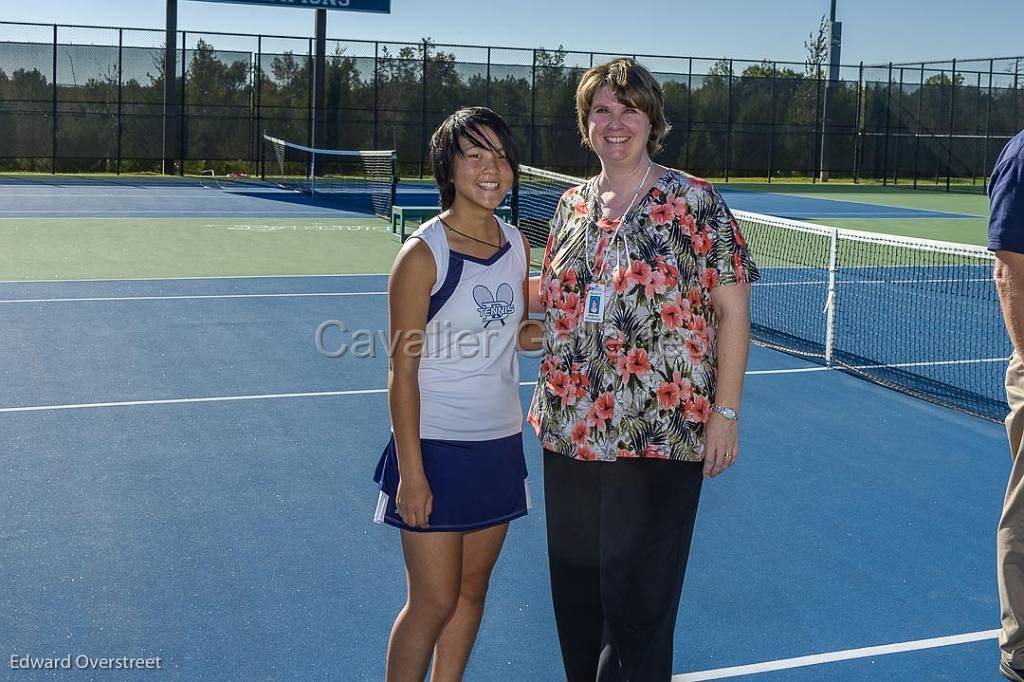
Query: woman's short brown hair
x=632, y=85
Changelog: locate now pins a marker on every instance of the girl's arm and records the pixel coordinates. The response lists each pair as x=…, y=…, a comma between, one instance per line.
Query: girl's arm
x=409, y=284
x=531, y=332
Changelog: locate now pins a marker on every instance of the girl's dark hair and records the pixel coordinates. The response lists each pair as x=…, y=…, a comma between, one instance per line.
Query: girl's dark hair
x=466, y=123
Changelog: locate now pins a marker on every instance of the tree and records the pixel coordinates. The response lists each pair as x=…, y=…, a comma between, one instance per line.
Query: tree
x=817, y=49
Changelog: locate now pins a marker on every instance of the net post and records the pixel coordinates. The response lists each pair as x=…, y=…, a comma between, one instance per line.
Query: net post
x=830, y=300
x=394, y=179
x=312, y=171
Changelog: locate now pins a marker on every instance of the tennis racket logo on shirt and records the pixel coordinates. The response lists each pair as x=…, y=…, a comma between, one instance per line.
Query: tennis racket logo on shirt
x=494, y=307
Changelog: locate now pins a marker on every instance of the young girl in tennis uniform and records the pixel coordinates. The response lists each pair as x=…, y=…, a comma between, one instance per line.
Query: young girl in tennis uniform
x=453, y=474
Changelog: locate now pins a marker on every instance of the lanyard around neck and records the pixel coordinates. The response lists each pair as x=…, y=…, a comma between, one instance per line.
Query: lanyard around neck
x=622, y=218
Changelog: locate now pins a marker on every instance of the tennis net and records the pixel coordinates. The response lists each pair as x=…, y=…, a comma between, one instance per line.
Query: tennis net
x=360, y=180
x=916, y=315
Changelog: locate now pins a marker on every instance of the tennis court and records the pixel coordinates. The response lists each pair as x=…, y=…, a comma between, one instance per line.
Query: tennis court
x=187, y=476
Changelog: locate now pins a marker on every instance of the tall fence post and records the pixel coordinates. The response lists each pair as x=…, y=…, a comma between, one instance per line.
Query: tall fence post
x=977, y=130
x=487, y=84
x=819, y=127
x=689, y=111
x=888, y=110
x=988, y=123
x=252, y=115
x=53, y=108
x=309, y=93
x=858, y=125
x=183, y=119
x=423, y=109
x=589, y=156
x=949, y=135
x=120, y=93
x=771, y=125
x=533, y=110
x=728, y=124
x=171, y=116
x=1016, y=94
x=917, y=125
x=899, y=134
x=259, y=107
x=376, y=94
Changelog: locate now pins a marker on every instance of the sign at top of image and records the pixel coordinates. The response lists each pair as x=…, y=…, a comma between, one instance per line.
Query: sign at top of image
x=381, y=6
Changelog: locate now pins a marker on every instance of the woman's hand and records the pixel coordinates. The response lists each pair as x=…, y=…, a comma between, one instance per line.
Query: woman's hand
x=414, y=501
x=721, y=444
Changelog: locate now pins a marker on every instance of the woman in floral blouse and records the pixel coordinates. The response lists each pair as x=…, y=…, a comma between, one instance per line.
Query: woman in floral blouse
x=645, y=291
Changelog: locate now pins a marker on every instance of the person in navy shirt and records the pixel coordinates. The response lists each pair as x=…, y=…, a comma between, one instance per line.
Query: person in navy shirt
x=1006, y=238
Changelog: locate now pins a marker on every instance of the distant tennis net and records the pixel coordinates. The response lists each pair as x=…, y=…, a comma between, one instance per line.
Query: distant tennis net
x=365, y=180
x=916, y=315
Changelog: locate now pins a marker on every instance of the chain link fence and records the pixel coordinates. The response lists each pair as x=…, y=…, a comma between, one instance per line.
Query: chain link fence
x=90, y=99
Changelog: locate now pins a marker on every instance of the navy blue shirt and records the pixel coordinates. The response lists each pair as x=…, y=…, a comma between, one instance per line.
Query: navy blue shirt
x=1006, y=198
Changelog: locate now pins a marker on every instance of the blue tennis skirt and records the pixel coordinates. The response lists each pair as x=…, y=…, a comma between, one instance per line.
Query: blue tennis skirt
x=474, y=484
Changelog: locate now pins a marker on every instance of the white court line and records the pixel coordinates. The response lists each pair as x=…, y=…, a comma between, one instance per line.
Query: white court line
x=182, y=401
x=934, y=362
x=273, y=396
x=834, y=656
x=844, y=282
x=795, y=370
x=193, y=297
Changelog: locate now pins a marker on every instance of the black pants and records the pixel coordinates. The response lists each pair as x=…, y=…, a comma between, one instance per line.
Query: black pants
x=618, y=540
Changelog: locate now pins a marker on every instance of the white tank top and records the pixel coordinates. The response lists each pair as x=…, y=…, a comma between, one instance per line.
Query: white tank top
x=469, y=374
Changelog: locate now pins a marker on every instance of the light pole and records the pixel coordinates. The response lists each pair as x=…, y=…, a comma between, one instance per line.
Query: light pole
x=835, y=29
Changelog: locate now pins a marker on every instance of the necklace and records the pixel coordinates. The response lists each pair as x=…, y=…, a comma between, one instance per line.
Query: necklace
x=469, y=236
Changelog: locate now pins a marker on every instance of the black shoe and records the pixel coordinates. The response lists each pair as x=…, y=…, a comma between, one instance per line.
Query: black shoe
x=1015, y=674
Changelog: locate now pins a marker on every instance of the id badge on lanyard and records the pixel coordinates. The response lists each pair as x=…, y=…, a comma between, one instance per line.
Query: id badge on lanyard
x=593, y=310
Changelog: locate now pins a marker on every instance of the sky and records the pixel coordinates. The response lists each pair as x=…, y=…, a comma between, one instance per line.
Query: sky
x=874, y=31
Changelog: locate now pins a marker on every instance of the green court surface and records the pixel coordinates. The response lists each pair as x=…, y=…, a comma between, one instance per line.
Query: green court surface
x=130, y=248
x=960, y=230
x=125, y=248
x=973, y=230
x=876, y=195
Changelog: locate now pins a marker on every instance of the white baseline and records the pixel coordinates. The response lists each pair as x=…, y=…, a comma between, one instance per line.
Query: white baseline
x=834, y=656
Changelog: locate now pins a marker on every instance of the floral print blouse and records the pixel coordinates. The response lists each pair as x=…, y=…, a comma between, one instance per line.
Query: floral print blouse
x=641, y=382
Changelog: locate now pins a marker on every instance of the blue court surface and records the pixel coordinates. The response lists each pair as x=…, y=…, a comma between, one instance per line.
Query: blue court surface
x=186, y=476
x=62, y=196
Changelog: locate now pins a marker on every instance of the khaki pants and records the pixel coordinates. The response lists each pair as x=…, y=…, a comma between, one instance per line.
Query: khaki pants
x=1010, y=537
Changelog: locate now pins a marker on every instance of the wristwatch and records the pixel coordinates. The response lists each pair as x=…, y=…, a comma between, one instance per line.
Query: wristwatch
x=727, y=412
